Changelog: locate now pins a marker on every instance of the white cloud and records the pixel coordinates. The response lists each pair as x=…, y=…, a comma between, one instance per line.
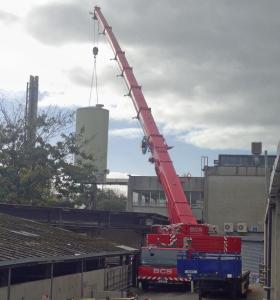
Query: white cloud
x=215, y=82
x=22, y=7
x=223, y=138
x=127, y=133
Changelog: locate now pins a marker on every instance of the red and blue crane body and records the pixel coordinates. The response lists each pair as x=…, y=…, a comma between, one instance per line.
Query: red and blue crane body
x=183, y=231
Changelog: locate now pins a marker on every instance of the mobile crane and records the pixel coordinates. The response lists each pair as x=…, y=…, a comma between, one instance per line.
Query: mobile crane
x=159, y=256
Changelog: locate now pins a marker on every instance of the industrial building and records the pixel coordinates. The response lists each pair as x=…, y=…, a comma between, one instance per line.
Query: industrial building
x=235, y=195
x=234, y=184
x=231, y=195
x=235, y=192
x=272, y=234
x=145, y=194
x=38, y=261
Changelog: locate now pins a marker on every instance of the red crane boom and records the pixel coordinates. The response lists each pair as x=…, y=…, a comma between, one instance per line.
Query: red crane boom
x=178, y=208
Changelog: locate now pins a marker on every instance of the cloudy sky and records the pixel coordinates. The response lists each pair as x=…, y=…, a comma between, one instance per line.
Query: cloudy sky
x=209, y=70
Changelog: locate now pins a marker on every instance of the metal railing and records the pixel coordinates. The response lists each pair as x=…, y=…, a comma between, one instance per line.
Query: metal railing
x=262, y=274
x=118, y=279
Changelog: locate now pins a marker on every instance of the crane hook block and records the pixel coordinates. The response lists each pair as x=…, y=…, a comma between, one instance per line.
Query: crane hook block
x=144, y=145
x=95, y=51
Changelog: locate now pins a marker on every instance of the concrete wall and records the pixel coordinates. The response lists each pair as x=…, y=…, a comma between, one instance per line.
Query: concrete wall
x=30, y=290
x=272, y=233
x=234, y=194
x=3, y=293
x=153, y=209
x=66, y=287
x=71, y=286
x=92, y=282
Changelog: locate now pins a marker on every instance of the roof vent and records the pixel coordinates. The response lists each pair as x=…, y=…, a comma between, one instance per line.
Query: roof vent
x=99, y=105
x=256, y=148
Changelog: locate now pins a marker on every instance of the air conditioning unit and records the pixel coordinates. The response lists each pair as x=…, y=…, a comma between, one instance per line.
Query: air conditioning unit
x=253, y=228
x=228, y=227
x=242, y=227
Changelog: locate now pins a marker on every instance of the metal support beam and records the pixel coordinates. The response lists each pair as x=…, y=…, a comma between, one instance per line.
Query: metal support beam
x=82, y=279
x=51, y=291
x=9, y=284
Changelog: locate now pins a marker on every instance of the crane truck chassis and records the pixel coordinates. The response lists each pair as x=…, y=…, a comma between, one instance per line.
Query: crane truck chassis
x=214, y=273
x=184, y=232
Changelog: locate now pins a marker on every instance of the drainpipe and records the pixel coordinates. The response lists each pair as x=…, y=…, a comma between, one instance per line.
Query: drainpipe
x=9, y=284
x=51, y=291
x=82, y=278
x=268, y=242
x=267, y=235
x=269, y=253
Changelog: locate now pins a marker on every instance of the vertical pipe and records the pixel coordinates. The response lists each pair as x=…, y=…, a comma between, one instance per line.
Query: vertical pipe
x=9, y=283
x=269, y=253
x=134, y=269
x=265, y=244
x=51, y=291
x=26, y=110
x=267, y=232
x=82, y=279
x=36, y=96
x=266, y=221
x=192, y=286
x=266, y=173
x=32, y=109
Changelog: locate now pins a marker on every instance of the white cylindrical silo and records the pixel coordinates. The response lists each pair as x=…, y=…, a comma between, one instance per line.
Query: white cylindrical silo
x=92, y=128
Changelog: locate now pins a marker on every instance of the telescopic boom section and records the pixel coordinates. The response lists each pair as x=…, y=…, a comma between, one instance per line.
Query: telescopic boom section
x=179, y=210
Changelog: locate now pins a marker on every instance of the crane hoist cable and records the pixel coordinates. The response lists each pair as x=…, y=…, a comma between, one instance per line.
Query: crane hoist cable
x=94, y=69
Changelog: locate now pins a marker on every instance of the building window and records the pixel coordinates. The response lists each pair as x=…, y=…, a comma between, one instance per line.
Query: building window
x=158, y=199
x=145, y=198
x=195, y=198
x=136, y=199
x=148, y=198
x=188, y=196
x=154, y=198
x=162, y=199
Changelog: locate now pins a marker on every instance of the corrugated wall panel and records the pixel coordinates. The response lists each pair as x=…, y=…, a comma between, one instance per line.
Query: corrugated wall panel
x=252, y=256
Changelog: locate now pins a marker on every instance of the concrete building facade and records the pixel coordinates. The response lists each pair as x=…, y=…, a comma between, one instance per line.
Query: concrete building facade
x=235, y=199
x=272, y=234
x=235, y=191
x=232, y=195
x=145, y=194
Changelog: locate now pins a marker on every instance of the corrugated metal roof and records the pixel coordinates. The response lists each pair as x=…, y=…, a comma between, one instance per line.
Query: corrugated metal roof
x=22, y=239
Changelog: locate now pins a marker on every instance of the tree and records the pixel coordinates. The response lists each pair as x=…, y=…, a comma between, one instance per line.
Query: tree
x=44, y=172
x=108, y=199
